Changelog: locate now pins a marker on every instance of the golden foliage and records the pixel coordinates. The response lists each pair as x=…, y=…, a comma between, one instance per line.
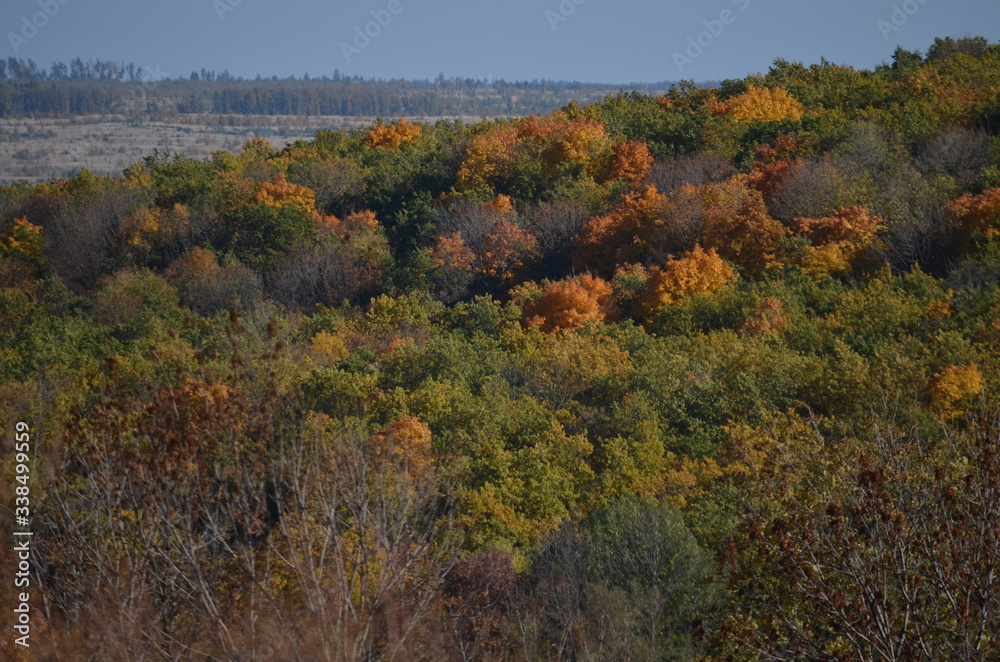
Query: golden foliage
x=570, y=304
x=853, y=225
x=24, y=241
x=698, y=272
x=391, y=136
x=328, y=349
x=562, y=139
x=502, y=205
x=136, y=176
x=490, y=157
x=827, y=260
x=949, y=388
x=732, y=218
x=766, y=104
x=837, y=240
x=279, y=192
x=556, y=141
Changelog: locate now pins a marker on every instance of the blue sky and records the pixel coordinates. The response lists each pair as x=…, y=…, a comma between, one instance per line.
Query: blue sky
x=610, y=41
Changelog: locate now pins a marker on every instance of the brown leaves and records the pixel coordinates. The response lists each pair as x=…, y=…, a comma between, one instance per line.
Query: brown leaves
x=570, y=304
x=738, y=225
x=356, y=223
x=624, y=235
x=729, y=217
x=630, y=162
x=978, y=212
x=487, y=241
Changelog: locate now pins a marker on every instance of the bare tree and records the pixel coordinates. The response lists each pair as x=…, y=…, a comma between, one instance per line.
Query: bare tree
x=956, y=151
x=696, y=169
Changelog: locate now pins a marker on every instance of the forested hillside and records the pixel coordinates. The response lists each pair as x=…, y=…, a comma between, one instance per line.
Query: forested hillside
x=710, y=375
x=100, y=88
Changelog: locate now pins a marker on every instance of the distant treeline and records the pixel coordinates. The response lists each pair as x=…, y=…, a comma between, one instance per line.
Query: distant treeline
x=86, y=88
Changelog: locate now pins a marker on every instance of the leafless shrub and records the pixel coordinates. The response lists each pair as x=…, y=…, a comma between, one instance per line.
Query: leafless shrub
x=694, y=169
x=812, y=189
x=326, y=272
x=335, y=182
x=956, y=151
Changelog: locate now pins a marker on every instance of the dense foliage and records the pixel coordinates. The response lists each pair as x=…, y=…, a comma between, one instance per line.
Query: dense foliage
x=711, y=375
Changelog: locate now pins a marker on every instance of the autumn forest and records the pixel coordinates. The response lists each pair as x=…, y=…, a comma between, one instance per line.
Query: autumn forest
x=712, y=375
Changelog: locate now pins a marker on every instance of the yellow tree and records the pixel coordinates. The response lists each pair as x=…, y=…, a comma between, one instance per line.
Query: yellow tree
x=489, y=160
x=21, y=252
x=766, y=104
x=949, y=388
x=837, y=240
x=391, y=136
x=555, y=142
x=279, y=192
x=698, y=272
x=24, y=241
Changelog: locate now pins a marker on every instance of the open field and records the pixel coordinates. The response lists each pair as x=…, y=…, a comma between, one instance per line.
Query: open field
x=40, y=149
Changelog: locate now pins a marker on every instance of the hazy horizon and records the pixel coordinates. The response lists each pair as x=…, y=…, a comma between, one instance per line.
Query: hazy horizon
x=592, y=41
